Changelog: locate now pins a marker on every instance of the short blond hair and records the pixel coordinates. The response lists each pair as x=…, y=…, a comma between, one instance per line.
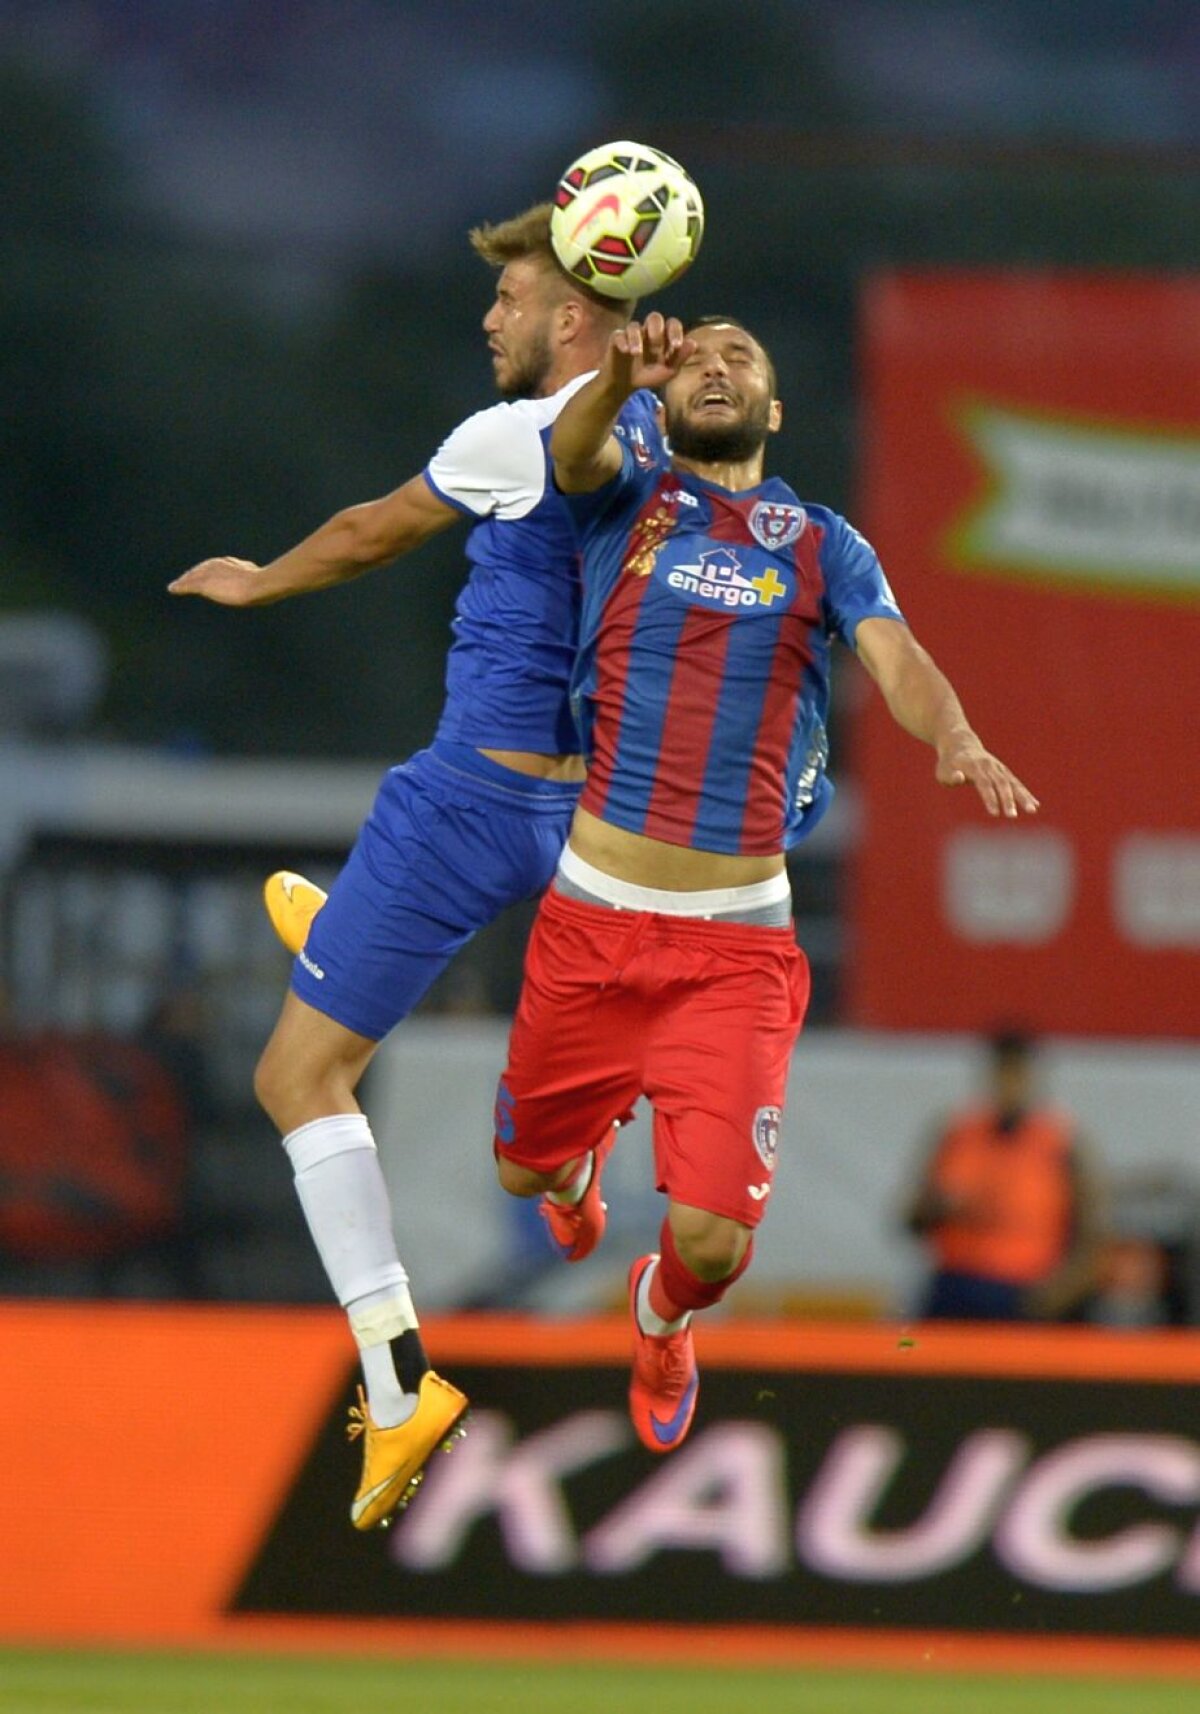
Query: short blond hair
x=526, y=238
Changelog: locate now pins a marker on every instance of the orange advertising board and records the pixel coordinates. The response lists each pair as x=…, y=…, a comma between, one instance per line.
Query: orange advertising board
x=1032, y=484
x=180, y=1477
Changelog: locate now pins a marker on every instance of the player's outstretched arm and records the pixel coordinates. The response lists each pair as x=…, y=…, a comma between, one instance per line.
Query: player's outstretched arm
x=585, y=451
x=921, y=699
x=353, y=541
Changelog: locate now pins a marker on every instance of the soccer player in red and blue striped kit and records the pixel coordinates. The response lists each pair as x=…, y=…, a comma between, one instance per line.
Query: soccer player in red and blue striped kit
x=663, y=962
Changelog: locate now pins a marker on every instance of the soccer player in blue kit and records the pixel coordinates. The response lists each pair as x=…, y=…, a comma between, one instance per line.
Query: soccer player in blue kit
x=470, y=825
x=663, y=961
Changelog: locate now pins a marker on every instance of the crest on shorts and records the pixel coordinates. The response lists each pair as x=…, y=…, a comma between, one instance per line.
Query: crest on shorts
x=774, y=524
x=766, y=1135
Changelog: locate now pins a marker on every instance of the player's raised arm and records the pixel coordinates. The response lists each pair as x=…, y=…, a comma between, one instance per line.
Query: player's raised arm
x=921, y=699
x=354, y=540
x=585, y=451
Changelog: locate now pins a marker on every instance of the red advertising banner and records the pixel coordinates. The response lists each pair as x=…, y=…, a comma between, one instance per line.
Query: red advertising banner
x=1032, y=484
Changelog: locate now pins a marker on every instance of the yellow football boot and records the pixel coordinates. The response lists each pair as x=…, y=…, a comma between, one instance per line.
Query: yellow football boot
x=292, y=903
x=394, y=1459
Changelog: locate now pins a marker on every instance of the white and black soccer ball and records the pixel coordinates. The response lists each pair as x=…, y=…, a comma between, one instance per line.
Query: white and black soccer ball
x=627, y=220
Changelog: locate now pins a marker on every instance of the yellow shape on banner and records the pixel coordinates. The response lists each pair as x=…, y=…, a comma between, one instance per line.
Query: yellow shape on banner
x=1100, y=507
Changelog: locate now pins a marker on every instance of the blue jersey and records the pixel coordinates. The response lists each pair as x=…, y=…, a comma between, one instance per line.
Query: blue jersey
x=516, y=624
x=702, y=685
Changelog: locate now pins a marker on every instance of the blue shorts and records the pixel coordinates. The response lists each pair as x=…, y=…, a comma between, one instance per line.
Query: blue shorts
x=452, y=839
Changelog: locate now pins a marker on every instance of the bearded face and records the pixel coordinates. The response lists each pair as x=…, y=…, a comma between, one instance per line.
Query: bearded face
x=522, y=369
x=518, y=328
x=693, y=433
x=719, y=408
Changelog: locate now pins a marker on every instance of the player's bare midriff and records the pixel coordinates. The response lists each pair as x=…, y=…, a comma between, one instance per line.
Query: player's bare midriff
x=568, y=768
x=652, y=863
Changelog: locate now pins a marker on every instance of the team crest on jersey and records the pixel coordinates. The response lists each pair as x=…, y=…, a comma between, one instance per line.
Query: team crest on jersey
x=766, y=1135
x=775, y=524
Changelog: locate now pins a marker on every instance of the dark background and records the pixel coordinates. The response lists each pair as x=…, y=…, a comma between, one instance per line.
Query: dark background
x=235, y=292
x=236, y=295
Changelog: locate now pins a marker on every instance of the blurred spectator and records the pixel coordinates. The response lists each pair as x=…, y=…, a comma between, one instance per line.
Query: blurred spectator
x=1151, y=1276
x=94, y=1145
x=1010, y=1205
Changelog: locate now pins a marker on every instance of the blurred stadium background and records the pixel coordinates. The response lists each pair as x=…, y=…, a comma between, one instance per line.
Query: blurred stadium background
x=235, y=295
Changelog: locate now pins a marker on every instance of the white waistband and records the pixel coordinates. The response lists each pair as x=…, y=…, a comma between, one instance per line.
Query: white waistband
x=714, y=901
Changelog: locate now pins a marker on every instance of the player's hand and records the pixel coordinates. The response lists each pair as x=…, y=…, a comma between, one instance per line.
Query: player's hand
x=649, y=353
x=232, y=582
x=962, y=760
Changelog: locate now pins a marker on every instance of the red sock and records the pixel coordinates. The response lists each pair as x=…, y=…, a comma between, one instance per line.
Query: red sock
x=674, y=1288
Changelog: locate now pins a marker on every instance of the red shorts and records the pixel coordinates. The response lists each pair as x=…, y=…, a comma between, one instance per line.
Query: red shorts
x=700, y=1017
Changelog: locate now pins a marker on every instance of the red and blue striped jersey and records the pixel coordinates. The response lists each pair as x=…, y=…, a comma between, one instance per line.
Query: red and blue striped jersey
x=701, y=689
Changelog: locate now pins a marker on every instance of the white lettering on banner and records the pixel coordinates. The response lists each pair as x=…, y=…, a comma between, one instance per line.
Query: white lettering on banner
x=1156, y=889
x=720, y=1493
x=1092, y=503
x=833, y=1534
x=1008, y=884
x=523, y=1485
x=725, y=1492
x=1035, y=1540
x=1189, y=1566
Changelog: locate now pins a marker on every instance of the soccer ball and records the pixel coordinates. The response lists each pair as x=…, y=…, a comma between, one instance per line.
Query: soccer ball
x=627, y=220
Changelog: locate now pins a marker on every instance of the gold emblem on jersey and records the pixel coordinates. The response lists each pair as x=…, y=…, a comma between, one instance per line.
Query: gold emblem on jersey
x=648, y=536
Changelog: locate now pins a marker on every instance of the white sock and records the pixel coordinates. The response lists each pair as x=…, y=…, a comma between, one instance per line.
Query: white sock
x=646, y=1318
x=387, y=1400
x=376, y=1320
x=345, y=1201
x=572, y=1194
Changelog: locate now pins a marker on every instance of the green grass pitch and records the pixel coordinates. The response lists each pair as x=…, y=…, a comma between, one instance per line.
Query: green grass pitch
x=94, y=1683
